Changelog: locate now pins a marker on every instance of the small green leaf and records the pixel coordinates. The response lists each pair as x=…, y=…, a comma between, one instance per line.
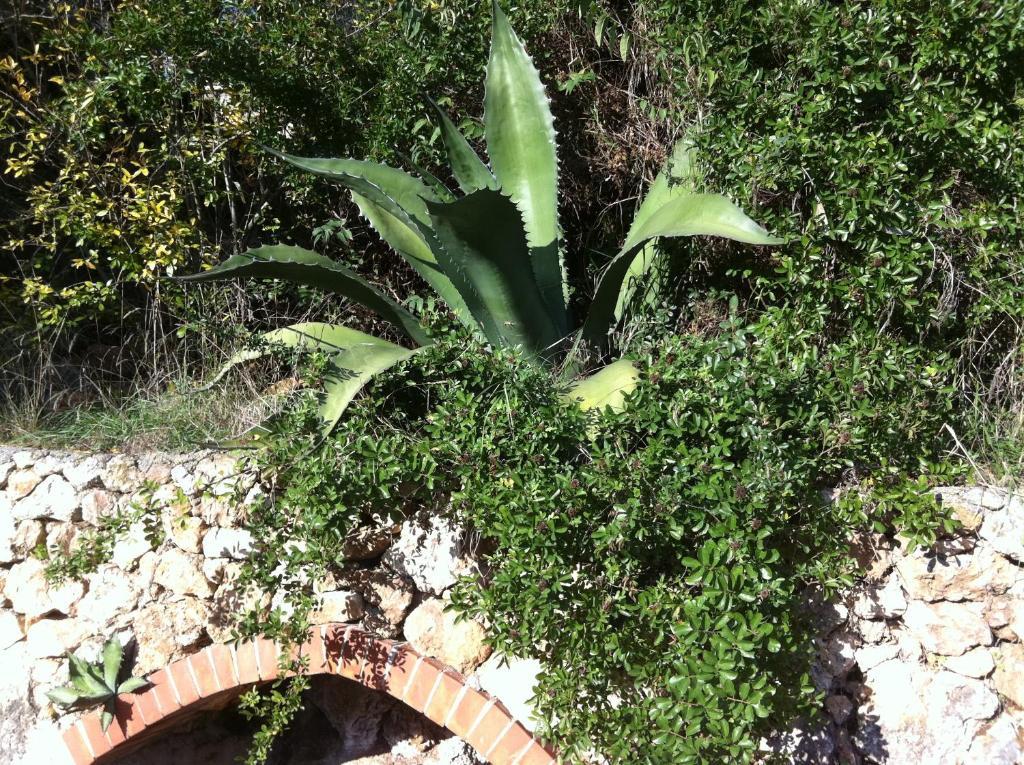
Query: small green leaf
x=64, y=696
x=469, y=170
x=112, y=655
x=132, y=684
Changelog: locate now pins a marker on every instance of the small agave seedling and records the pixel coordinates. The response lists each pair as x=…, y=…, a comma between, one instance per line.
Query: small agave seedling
x=97, y=683
x=492, y=250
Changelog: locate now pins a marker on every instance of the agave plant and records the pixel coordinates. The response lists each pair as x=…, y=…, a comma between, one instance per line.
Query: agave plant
x=492, y=250
x=97, y=683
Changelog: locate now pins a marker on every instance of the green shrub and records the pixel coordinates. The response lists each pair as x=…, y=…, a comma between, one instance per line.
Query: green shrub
x=657, y=559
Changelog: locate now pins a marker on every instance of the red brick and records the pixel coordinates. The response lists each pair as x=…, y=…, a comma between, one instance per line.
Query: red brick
x=222, y=659
x=202, y=671
x=536, y=755
x=441, y=703
x=403, y=660
x=74, y=740
x=510, y=746
x=183, y=683
x=420, y=686
x=93, y=730
x=375, y=666
x=350, y=660
x=117, y=730
x=487, y=731
x=268, y=653
x=136, y=711
x=461, y=720
x=248, y=669
x=162, y=692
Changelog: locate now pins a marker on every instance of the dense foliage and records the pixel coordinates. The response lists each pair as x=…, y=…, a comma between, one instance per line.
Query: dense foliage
x=657, y=557
x=656, y=560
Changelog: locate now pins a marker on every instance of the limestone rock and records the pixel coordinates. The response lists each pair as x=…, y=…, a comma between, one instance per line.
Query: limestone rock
x=110, y=594
x=18, y=540
x=86, y=473
x=121, y=474
x=986, y=497
x=839, y=708
x=96, y=504
x=1009, y=675
x=236, y=544
x=931, y=577
x=10, y=630
x=184, y=479
x=838, y=655
x=20, y=483
x=968, y=513
x=429, y=550
x=513, y=680
x=182, y=573
x=338, y=606
x=186, y=531
x=53, y=498
x=434, y=631
x=911, y=714
x=16, y=713
x=5, y=470
x=163, y=630
x=390, y=594
x=997, y=744
x=1004, y=530
x=885, y=602
x=949, y=629
x=31, y=595
x=975, y=663
x=366, y=543
x=60, y=537
x=23, y=458
x=131, y=546
x=870, y=656
x=54, y=638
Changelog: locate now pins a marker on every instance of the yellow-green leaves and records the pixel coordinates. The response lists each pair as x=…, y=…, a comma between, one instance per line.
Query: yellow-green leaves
x=520, y=135
x=607, y=387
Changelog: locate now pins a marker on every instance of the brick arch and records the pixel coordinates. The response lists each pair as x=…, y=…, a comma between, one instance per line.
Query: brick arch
x=217, y=674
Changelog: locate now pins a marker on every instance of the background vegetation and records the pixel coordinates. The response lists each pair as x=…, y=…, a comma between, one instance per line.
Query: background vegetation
x=665, y=548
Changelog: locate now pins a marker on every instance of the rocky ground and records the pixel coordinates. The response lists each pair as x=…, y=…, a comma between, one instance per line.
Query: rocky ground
x=924, y=663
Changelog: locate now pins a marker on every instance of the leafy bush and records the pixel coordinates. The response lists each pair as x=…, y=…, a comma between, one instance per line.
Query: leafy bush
x=656, y=559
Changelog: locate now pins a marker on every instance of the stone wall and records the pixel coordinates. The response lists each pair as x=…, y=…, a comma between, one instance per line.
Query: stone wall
x=172, y=599
x=923, y=663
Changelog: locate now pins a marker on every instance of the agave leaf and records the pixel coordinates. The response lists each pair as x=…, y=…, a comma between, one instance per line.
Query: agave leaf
x=484, y=253
x=112, y=655
x=302, y=266
x=687, y=215
x=520, y=134
x=410, y=243
x=331, y=338
x=64, y=696
x=680, y=176
x=132, y=684
x=469, y=170
x=86, y=679
x=440, y=188
x=607, y=387
x=353, y=368
x=394, y=189
x=106, y=717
